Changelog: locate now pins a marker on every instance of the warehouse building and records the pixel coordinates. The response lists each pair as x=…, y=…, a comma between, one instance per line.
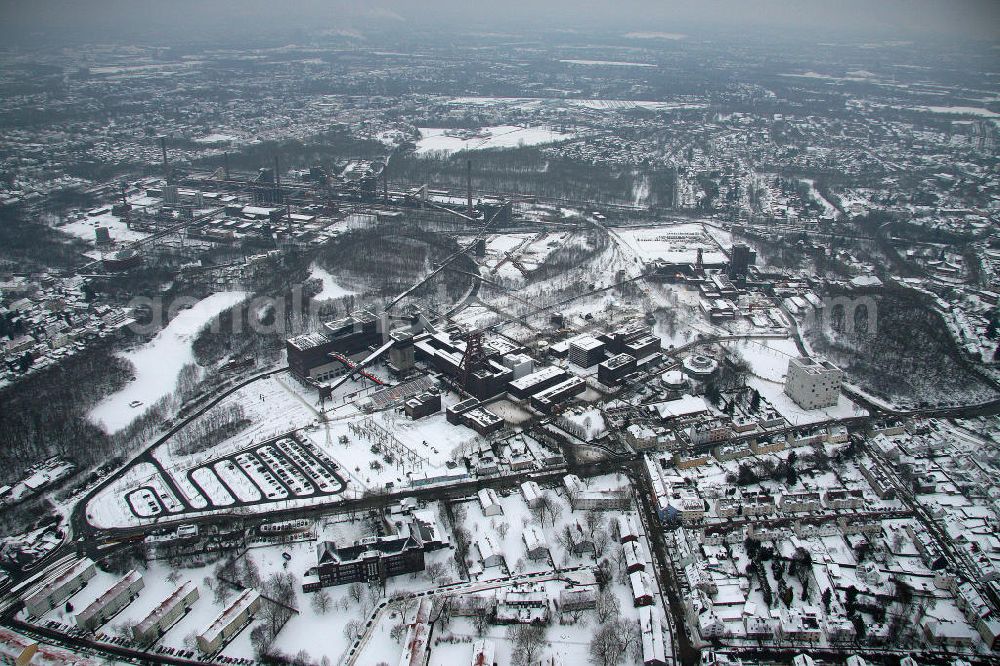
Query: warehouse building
x=229, y=622
x=166, y=614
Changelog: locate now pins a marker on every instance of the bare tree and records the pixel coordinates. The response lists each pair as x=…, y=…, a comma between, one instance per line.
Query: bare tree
x=607, y=606
x=528, y=641
x=435, y=570
x=606, y=647
x=352, y=629
x=547, y=508
x=321, y=602
x=356, y=592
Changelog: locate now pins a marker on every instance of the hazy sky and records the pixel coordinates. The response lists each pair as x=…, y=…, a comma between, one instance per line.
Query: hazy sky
x=950, y=19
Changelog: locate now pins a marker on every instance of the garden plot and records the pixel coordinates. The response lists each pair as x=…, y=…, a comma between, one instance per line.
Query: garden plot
x=237, y=481
x=261, y=476
x=210, y=484
x=288, y=473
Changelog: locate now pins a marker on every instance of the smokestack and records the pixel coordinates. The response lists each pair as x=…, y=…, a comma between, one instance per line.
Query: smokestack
x=166, y=164
x=227, y=165
x=277, y=182
x=468, y=180
x=385, y=181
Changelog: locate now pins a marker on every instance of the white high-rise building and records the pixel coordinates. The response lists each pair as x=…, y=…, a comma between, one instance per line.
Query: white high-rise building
x=813, y=383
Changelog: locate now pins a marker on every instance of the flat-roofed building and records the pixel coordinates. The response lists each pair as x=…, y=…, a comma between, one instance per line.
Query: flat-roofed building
x=539, y=380
x=613, y=370
x=552, y=396
x=585, y=351
x=482, y=420
x=813, y=383
x=166, y=614
x=229, y=622
x=423, y=404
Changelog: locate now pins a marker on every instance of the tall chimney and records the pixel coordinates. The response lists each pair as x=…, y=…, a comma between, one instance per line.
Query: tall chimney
x=166, y=164
x=468, y=180
x=227, y=165
x=277, y=182
x=385, y=181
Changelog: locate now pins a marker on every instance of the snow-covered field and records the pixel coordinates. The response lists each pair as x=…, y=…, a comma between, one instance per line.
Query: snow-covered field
x=84, y=228
x=503, y=136
x=158, y=362
x=607, y=63
x=330, y=289
x=678, y=243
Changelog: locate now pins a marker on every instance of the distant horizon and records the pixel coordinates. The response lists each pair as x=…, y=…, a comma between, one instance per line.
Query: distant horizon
x=119, y=21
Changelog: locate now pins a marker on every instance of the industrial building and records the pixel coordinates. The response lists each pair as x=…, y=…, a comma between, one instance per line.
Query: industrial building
x=585, y=351
x=740, y=260
x=472, y=414
x=813, y=383
x=546, y=400
x=423, y=404
x=166, y=614
x=309, y=355
x=111, y=602
x=229, y=622
x=402, y=353
x=60, y=588
x=613, y=370
x=535, y=382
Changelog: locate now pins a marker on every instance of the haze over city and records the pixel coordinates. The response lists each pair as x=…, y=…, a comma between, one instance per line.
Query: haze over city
x=552, y=333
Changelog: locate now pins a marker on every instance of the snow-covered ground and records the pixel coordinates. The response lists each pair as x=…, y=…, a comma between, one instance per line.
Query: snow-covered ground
x=608, y=63
x=158, y=362
x=330, y=289
x=435, y=140
x=678, y=243
x=84, y=228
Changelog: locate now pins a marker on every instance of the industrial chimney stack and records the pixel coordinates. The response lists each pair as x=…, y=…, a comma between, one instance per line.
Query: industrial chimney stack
x=468, y=180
